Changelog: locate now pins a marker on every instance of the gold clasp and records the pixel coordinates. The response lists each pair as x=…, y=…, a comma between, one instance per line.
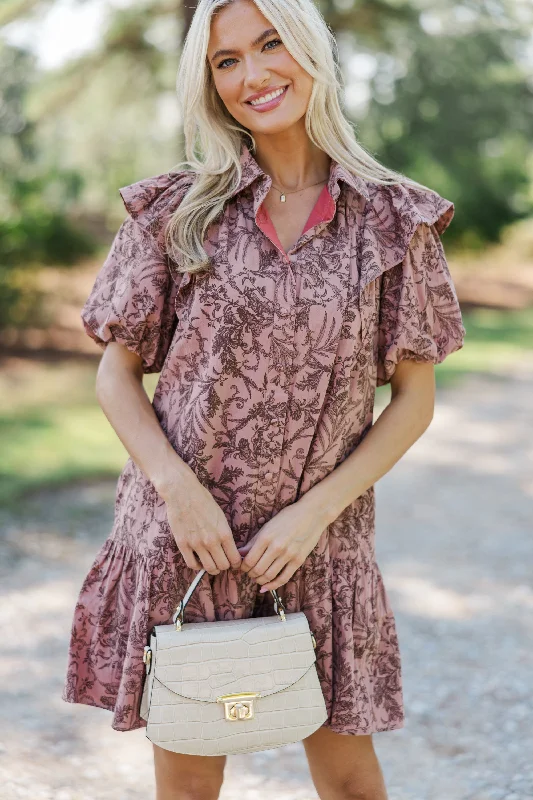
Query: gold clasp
x=147, y=657
x=238, y=707
x=279, y=606
x=178, y=616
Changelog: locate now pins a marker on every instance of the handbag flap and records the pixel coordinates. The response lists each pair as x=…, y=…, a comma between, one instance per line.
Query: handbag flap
x=207, y=659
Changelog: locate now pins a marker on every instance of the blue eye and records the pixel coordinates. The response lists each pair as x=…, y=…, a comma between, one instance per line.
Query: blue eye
x=272, y=41
x=223, y=62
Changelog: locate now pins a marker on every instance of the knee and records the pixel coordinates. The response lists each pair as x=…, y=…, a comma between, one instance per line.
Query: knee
x=352, y=787
x=199, y=789
x=183, y=777
x=192, y=787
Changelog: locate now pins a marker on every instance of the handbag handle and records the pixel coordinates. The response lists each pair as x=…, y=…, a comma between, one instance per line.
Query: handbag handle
x=177, y=617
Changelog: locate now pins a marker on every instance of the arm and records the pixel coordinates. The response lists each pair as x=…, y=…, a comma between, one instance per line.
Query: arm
x=289, y=537
x=419, y=325
x=123, y=399
x=130, y=313
x=197, y=521
x=401, y=423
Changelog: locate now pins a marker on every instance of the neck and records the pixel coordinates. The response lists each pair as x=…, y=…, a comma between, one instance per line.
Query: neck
x=291, y=163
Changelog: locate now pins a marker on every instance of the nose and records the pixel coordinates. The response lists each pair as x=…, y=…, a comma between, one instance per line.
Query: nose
x=255, y=76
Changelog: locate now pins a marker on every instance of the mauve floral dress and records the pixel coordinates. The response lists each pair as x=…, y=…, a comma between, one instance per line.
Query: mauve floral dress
x=269, y=365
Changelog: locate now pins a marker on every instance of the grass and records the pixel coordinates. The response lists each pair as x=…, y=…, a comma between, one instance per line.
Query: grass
x=53, y=432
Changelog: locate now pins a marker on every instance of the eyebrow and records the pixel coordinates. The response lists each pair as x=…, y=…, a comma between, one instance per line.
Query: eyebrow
x=255, y=42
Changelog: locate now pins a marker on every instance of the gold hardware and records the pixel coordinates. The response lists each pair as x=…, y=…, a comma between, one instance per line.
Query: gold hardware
x=178, y=615
x=147, y=657
x=238, y=706
x=313, y=639
x=279, y=606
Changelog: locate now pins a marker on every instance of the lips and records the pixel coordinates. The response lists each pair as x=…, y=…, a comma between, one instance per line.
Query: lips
x=264, y=94
x=269, y=104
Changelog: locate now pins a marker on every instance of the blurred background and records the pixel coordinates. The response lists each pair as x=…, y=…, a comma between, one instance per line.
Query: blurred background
x=442, y=91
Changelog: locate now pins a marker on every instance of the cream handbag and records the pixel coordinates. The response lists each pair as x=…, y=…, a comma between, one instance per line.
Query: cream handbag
x=231, y=686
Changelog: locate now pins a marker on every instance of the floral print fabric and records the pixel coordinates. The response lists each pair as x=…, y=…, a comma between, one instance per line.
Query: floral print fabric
x=269, y=365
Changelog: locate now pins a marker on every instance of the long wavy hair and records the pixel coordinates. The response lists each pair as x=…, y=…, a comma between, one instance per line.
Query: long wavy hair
x=213, y=138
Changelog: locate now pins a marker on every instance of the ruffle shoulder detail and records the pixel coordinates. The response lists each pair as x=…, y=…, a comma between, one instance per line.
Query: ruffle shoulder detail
x=419, y=312
x=152, y=200
x=390, y=220
x=133, y=299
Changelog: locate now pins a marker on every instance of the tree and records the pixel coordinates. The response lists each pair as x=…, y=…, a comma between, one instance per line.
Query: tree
x=451, y=105
x=34, y=196
x=449, y=100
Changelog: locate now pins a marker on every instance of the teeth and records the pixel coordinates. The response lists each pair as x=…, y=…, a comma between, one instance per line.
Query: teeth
x=267, y=97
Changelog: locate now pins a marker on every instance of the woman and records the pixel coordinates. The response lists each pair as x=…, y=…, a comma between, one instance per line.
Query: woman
x=274, y=285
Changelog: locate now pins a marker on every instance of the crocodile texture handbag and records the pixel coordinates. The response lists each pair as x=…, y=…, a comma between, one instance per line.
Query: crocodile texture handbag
x=231, y=686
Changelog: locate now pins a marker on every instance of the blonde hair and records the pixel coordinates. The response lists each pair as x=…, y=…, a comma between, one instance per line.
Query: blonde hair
x=213, y=139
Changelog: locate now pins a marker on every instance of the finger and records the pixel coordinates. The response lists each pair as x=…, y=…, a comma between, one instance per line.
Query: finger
x=207, y=562
x=189, y=556
x=273, y=571
x=246, y=547
x=282, y=578
x=265, y=562
x=231, y=551
x=244, y=550
x=254, y=554
x=219, y=557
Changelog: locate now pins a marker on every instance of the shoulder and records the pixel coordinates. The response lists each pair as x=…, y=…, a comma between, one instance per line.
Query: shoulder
x=392, y=216
x=152, y=200
x=405, y=204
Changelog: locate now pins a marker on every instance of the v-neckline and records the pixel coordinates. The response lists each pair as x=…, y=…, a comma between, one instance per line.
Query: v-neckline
x=318, y=214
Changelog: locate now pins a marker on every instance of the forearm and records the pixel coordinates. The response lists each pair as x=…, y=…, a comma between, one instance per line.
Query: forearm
x=400, y=424
x=123, y=399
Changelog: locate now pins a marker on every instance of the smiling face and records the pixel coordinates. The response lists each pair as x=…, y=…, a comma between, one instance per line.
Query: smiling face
x=248, y=62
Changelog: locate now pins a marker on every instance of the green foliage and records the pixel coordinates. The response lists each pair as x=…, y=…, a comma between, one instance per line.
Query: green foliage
x=443, y=93
x=36, y=233
x=35, y=197
x=448, y=100
x=50, y=410
x=459, y=123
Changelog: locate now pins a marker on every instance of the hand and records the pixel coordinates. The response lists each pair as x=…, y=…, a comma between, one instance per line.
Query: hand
x=276, y=551
x=200, y=528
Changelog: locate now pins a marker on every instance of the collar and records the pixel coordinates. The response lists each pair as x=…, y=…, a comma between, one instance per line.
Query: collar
x=251, y=170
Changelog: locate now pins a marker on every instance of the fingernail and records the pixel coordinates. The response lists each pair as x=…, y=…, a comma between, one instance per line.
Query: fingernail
x=263, y=589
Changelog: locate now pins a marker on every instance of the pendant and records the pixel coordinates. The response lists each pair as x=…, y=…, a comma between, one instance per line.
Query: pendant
x=282, y=198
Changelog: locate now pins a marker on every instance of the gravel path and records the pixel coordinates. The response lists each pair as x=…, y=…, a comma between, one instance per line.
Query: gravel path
x=455, y=546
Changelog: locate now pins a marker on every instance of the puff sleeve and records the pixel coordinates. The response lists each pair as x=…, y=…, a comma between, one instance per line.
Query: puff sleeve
x=420, y=317
x=132, y=301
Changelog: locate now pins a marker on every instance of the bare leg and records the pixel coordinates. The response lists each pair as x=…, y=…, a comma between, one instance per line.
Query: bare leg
x=344, y=767
x=181, y=777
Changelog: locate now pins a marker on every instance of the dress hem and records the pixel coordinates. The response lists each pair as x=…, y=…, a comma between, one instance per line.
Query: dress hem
x=87, y=702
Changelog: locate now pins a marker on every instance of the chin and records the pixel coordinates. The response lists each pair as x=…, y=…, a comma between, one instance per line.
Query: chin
x=274, y=126
x=280, y=127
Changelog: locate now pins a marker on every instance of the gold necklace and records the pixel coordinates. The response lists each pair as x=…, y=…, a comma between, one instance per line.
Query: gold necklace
x=283, y=192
